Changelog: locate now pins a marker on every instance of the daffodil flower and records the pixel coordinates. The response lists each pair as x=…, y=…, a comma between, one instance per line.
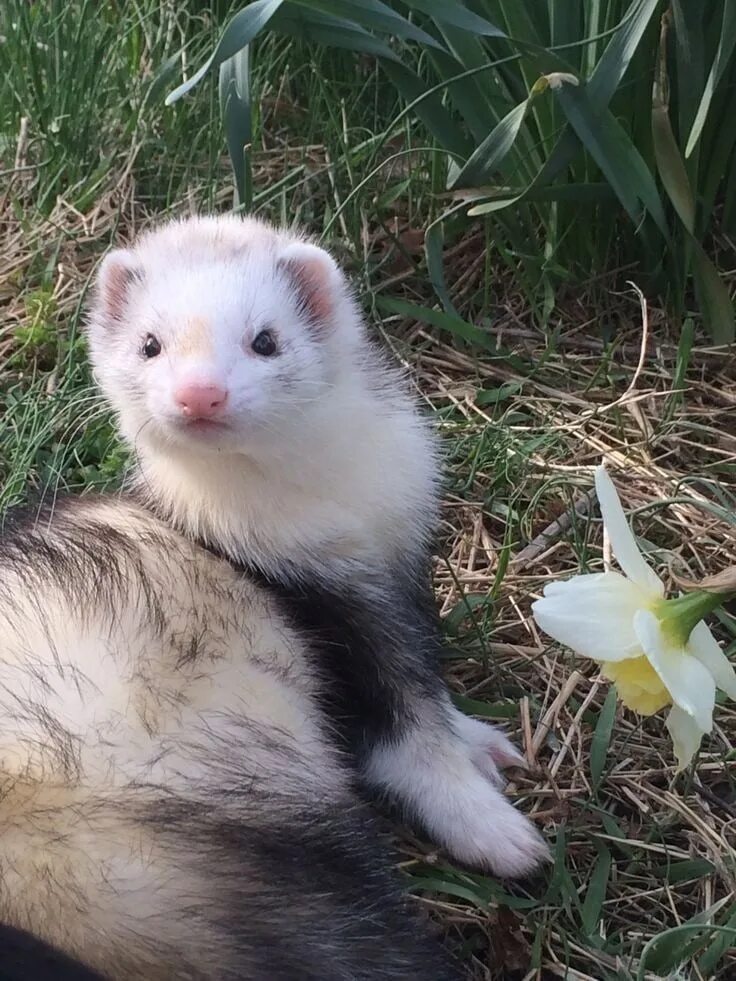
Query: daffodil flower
x=657, y=652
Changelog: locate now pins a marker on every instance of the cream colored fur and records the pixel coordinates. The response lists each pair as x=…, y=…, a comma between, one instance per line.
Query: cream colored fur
x=114, y=690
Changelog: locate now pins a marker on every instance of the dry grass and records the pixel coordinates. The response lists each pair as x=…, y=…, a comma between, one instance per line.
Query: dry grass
x=637, y=850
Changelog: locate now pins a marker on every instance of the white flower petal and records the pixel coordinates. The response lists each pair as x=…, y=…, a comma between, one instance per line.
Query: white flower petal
x=593, y=615
x=622, y=539
x=689, y=683
x=703, y=645
x=686, y=735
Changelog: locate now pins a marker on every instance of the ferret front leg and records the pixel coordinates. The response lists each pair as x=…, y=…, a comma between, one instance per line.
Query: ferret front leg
x=377, y=647
x=443, y=769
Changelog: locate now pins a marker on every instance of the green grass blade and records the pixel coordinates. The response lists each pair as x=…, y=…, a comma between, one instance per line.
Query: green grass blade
x=714, y=952
x=577, y=193
x=671, y=948
x=602, y=737
x=453, y=324
x=434, y=240
x=241, y=30
x=595, y=892
x=684, y=871
x=713, y=297
x=671, y=167
x=469, y=95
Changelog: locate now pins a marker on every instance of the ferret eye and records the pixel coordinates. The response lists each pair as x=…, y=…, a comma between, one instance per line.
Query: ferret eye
x=151, y=347
x=264, y=344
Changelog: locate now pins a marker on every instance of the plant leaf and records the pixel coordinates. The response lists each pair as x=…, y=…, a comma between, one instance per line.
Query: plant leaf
x=434, y=240
x=307, y=24
x=449, y=12
x=493, y=150
x=240, y=31
x=444, y=321
x=715, y=301
x=726, y=43
x=615, y=60
x=374, y=15
x=613, y=151
x=602, y=737
x=235, y=106
x=595, y=892
x=430, y=109
x=669, y=949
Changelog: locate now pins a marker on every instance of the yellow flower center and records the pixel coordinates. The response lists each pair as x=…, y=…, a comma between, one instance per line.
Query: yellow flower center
x=639, y=686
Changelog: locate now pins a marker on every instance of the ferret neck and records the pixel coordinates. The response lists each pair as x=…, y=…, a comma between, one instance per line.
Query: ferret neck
x=357, y=489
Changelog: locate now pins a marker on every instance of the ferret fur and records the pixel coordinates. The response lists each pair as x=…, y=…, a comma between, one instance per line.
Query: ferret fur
x=171, y=802
x=321, y=485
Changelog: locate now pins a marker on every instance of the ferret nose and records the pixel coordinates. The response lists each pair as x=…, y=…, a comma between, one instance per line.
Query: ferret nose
x=200, y=401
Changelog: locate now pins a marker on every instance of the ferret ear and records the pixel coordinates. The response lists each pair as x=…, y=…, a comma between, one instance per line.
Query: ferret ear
x=118, y=272
x=315, y=277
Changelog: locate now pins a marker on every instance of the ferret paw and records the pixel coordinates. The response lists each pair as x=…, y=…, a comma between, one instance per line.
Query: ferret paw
x=480, y=827
x=490, y=749
x=449, y=782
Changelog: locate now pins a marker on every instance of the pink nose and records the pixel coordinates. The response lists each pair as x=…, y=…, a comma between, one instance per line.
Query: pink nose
x=200, y=401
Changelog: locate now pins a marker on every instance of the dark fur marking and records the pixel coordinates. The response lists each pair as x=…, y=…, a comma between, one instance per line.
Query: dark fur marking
x=377, y=646
x=329, y=906
x=93, y=568
x=24, y=957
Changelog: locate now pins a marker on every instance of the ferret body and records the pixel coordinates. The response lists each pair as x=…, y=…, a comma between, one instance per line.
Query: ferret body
x=267, y=427
x=171, y=801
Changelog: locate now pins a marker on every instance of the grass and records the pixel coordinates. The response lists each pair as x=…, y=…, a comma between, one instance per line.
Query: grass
x=644, y=874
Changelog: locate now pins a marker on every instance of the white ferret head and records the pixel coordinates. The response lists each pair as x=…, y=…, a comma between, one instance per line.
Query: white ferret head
x=220, y=334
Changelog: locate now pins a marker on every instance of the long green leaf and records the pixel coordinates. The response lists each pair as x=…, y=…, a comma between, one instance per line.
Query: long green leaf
x=372, y=14
x=434, y=240
x=496, y=199
x=716, y=949
x=619, y=51
x=241, y=30
x=468, y=95
x=613, y=151
x=715, y=301
x=491, y=153
x=451, y=12
x=235, y=106
x=713, y=297
x=430, y=109
x=723, y=53
x=307, y=24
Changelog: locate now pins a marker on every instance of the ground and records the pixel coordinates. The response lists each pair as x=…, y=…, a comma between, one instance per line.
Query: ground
x=526, y=414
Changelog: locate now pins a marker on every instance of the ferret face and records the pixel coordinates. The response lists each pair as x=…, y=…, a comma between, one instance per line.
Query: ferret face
x=218, y=333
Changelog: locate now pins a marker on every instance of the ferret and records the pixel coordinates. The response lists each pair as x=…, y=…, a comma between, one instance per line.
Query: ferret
x=268, y=427
x=172, y=802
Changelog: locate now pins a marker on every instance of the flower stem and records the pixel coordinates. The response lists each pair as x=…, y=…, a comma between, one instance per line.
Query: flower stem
x=680, y=615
